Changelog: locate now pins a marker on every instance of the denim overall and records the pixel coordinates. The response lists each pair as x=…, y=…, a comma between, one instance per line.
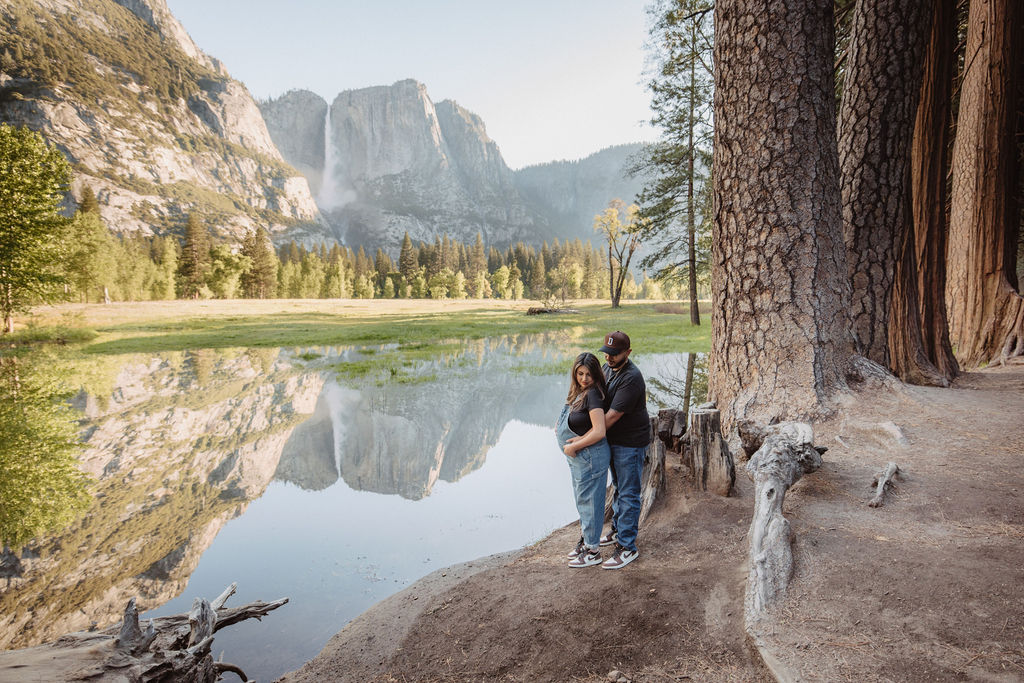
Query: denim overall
x=589, y=479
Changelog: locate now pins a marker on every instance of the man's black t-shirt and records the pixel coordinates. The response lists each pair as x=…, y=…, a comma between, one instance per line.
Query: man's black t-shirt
x=627, y=393
x=579, y=417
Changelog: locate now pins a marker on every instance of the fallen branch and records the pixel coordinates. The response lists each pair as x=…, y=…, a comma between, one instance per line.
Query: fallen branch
x=172, y=648
x=884, y=481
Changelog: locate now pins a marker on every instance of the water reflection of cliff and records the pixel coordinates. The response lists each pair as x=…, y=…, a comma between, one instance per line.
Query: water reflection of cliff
x=179, y=447
x=400, y=437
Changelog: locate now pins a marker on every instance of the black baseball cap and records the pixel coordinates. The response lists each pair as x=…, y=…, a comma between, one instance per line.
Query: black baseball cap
x=615, y=343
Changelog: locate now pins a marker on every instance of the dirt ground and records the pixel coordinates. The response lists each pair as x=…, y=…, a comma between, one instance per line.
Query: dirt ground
x=928, y=587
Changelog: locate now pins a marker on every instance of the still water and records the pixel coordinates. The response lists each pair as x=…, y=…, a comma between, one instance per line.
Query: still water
x=334, y=477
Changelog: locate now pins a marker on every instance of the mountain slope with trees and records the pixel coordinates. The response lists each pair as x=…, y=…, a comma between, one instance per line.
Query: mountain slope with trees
x=157, y=129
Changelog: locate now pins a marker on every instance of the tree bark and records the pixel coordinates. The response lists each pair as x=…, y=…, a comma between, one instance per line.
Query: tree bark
x=876, y=117
x=928, y=168
x=780, y=330
x=986, y=314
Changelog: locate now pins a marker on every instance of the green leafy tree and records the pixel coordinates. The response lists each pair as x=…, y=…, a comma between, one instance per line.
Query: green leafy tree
x=194, y=265
x=622, y=228
x=41, y=487
x=164, y=252
x=91, y=263
x=33, y=233
x=226, y=269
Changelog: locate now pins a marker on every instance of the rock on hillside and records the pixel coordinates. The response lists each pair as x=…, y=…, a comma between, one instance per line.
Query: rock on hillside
x=154, y=126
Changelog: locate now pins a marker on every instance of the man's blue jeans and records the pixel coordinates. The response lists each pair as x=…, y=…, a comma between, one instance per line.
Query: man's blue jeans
x=627, y=468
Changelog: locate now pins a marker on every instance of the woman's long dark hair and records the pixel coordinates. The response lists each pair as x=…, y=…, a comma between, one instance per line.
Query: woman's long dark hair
x=591, y=363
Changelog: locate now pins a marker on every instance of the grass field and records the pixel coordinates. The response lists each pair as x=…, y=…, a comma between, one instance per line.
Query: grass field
x=181, y=325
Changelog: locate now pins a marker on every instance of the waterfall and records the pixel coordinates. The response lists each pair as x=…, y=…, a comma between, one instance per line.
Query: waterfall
x=328, y=197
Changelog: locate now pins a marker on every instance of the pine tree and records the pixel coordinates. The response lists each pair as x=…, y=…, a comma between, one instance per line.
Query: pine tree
x=88, y=204
x=194, y=265
x=260, y=279
x=408, y=260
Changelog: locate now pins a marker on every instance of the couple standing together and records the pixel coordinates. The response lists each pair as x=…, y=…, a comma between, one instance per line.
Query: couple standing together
x=605, y=423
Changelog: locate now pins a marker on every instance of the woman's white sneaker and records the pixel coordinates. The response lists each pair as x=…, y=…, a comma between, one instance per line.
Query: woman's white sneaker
x=588, y=558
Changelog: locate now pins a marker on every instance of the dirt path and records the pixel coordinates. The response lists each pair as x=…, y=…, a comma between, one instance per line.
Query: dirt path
x=928, y=587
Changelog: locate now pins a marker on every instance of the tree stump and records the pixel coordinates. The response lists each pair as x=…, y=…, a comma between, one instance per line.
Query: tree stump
x=173, y=648
x=705, y=453
x=786, y=453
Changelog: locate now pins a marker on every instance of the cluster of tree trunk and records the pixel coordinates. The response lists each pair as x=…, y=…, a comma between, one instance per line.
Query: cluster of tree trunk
x=887, y=228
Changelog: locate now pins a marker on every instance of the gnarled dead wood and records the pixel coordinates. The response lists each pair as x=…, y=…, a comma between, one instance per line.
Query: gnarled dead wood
x=172, y=648
x=653, y=477
x=884, y=481
x=652, y=480
x=786, y=453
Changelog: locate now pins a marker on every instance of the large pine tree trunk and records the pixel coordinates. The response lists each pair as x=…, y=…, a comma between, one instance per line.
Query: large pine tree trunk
x=928, y=168
x=876, y=117
x=986, y=314
x=781, y=343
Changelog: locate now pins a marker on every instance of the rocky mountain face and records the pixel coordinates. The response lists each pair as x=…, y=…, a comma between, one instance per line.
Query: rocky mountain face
x=386, y=160
x=392, y=161
x=157, y=128
x=178, y=447
x=570, y=193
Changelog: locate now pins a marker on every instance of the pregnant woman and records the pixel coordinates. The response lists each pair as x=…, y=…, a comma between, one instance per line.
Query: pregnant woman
x=580, y=434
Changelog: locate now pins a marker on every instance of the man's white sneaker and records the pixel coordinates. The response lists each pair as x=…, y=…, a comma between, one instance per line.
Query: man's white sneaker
x=610, y=538
x=621, y=558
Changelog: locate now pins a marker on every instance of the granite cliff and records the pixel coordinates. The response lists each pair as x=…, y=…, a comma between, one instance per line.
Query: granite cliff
x=386, y=160
x=154, y=126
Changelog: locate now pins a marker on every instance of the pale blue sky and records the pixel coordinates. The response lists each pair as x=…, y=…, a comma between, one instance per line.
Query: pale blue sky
x=552, y=79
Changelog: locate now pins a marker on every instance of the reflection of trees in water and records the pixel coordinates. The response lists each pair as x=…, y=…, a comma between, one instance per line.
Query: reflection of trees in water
x=41, y=487
x=683, y=383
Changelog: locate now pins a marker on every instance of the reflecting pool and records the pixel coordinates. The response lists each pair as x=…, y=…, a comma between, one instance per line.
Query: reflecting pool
x=331, y=476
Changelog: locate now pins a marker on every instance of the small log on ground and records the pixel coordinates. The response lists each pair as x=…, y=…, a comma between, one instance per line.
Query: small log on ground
x=883, y=481
x=172, y=648
x=544, y=310
x=786, y=454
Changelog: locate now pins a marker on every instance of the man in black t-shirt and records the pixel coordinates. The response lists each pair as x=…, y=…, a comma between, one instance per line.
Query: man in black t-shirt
x=628, y=429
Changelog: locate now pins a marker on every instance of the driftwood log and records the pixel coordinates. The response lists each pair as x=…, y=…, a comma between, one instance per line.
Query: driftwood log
x=173, y=648
x=652, y=480
x=785, y=454
x=884, y=481
x=543, y=310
